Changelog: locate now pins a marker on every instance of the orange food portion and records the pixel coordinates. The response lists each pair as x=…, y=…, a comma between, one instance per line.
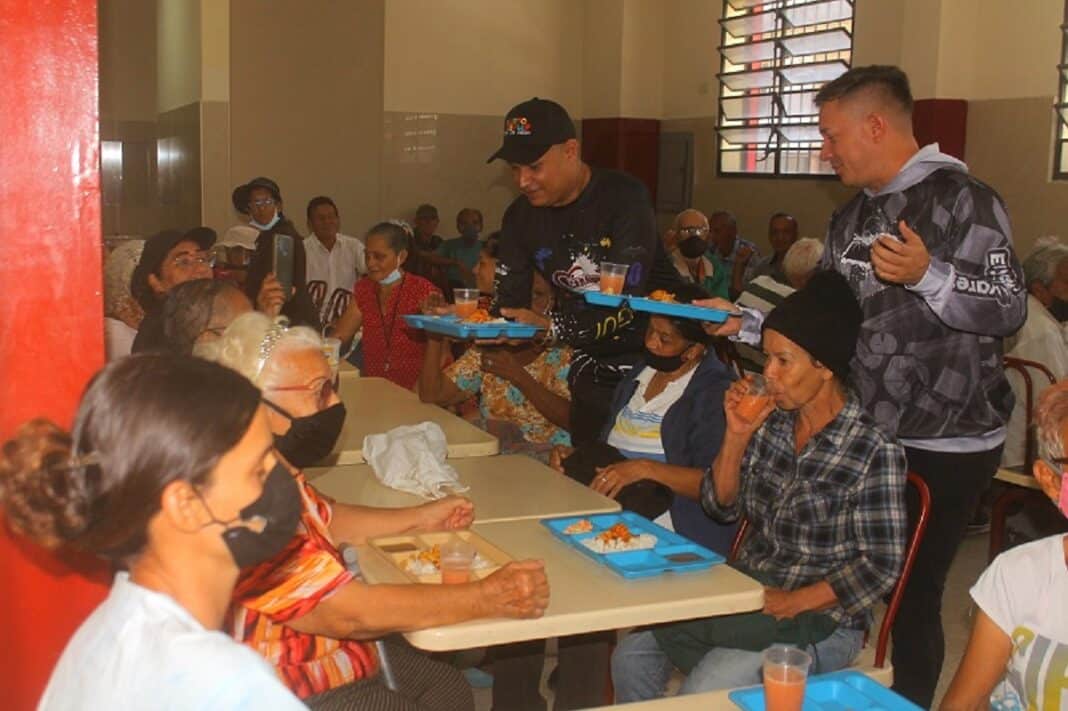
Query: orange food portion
x=661, y=295
x=618, y=532
x=431, y=555
x=580, y=526
x=479, y=316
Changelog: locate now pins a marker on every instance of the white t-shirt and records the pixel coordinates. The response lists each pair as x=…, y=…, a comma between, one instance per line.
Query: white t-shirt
x=118, y=338
x=1024, y=592
x=338, y=268
x=141, y=650
x=636, y=431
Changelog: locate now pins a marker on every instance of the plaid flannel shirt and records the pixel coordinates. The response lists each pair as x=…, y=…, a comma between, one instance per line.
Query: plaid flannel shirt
x=835, y=512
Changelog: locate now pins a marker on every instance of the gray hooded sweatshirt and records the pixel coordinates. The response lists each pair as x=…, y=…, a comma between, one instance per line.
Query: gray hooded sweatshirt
x=928, y=364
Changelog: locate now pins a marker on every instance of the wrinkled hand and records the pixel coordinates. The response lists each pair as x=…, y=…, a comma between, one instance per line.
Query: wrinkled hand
x=783, y=605
x=526, y=316
x=736, y=424
x=449, y=514
x=502, y=363
x=518, y=589
x=903, y=261
x=610, y=480
x=271, y=297
x=557, y=456
x=434, y=305
x=730, y=327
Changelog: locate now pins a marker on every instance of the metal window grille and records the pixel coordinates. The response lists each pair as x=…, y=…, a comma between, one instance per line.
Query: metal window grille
x=1060, y=154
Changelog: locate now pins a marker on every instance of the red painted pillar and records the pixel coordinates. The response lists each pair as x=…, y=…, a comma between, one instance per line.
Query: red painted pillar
x=51, y=334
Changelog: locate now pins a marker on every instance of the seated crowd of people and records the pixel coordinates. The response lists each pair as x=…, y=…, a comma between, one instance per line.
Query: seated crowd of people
x=184, y=466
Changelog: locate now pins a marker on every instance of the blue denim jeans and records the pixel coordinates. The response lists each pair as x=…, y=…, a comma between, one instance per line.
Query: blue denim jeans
x=640, y=670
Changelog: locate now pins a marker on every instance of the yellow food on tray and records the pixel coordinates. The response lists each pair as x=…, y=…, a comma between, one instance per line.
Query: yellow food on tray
x=479, y=316
x=665, y=296
x=583, y=525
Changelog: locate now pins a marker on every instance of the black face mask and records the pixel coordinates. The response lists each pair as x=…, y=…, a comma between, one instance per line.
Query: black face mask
x=665, y=364
x=693, y=247
x=310, y=439
x=278, y=507
x=1059, y=309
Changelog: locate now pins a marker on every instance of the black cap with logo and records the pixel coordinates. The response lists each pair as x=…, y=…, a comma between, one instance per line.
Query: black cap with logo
x=531, y=128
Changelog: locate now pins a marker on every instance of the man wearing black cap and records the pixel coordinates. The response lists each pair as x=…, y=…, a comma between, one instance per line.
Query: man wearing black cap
x=569, y=219
x=169, y=259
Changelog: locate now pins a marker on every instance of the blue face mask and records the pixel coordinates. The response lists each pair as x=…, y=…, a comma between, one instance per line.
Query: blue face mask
x=393, y=277
x=269, y=225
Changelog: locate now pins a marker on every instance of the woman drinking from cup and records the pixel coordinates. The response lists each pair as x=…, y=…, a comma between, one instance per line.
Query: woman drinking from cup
x=823, y=491
x=170, y=473
x=379, y=303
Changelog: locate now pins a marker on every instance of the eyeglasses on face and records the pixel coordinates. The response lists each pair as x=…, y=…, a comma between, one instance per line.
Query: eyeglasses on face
x=265, y=202
x=691, y=231
x=189, y=261
x=323, y=391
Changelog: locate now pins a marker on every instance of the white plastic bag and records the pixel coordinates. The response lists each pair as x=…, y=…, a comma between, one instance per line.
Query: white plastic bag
x=411, y=458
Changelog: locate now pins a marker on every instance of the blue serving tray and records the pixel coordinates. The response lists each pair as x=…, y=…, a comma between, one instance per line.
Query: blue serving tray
x=455, y=328
x=672, y=554
x=662, y=308
x=836, y=691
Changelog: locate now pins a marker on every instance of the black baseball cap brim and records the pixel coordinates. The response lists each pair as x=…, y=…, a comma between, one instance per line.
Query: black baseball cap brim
x=520, y=154
x=531, y=128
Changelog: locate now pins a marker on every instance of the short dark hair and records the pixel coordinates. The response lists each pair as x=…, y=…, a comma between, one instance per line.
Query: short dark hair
x=188, y=309
x=726, y=214
x=688, y=328
x=320, y=200
x=144, y=421
x=470, y=209
x=890, y=82
x=394, y=233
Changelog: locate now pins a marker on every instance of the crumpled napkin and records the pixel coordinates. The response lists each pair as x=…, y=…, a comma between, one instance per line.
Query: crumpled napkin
x=411, y=458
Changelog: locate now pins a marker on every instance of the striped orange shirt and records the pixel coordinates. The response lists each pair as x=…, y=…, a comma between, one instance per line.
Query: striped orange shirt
x=288, y=586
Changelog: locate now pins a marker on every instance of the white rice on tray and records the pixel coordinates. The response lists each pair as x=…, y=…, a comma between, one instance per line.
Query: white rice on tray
x=415, y=566
x=640, y=542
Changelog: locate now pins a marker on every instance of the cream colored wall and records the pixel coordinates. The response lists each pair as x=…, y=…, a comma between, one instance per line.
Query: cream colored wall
x=642, y=67
x=127, y=60
x=480, y=57
x=178, y=53
x=306, y=102
x=602, y=59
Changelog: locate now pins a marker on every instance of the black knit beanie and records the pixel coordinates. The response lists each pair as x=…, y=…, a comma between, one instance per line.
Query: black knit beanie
x=822, y=317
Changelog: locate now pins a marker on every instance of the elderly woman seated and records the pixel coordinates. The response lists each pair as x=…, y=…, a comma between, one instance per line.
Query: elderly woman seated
x=303, y=609
x=666, y=427
x=196, y=313
x=522, y=390
x=823, y=491
x=1015, y=657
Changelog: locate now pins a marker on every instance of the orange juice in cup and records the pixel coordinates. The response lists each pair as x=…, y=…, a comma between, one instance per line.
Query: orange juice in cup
x=612, y=277
x=466, y=302
x=754, y=400
x=785, y=673
x=457, y=559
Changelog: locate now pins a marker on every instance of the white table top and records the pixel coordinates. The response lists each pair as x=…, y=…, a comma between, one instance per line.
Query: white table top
x=585, y=596
x=376, y=405
x=503, y=488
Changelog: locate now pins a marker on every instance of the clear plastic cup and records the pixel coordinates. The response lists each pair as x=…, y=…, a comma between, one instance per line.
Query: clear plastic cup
x=755, y=399
x=613, y=277
x=457, y=560
x=332, y=351
x=785, y=673
x=466, y=301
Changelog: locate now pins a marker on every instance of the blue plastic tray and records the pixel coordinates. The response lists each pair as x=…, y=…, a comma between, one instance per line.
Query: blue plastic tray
x=663, y=308
x=672, y=553
x=455, y=328
x=836, y=691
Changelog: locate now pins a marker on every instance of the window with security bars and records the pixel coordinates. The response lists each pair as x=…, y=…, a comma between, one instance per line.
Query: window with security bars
x=1060, y=154
x=775, y=56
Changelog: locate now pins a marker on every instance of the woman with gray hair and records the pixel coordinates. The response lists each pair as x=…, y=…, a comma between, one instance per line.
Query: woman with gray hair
x=380, y=300
x=1015, y=656
x=309, y=613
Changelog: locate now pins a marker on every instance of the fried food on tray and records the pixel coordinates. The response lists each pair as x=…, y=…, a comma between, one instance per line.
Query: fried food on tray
x=665, y=296
x=479, y=316
x=583, y=525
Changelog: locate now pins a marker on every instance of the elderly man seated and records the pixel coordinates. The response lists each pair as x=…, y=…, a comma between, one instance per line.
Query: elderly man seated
x=782, y=234
x=690, y=254
x=303, y=609
x=823, y=491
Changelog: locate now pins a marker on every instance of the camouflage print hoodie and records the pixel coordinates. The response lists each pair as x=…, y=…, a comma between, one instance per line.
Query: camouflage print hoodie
x=928, y=362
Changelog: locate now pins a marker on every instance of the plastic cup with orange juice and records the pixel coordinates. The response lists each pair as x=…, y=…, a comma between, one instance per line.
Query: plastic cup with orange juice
x=613, y=277
x=785, y=673
x=457, y=559
x=754, y=400
x=466, y=302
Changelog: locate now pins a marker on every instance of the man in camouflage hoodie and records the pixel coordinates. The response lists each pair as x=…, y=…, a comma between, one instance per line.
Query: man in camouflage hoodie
x=927, y=249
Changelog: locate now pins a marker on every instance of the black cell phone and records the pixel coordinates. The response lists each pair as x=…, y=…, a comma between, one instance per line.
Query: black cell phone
x=282, y=262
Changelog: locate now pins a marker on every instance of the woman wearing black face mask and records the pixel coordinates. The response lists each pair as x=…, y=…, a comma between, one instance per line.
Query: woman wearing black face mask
x=667, y=424
x=170, y=474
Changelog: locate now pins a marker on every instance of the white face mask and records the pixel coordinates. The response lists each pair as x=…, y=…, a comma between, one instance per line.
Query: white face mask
x=269, y=225
x=392, y=278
